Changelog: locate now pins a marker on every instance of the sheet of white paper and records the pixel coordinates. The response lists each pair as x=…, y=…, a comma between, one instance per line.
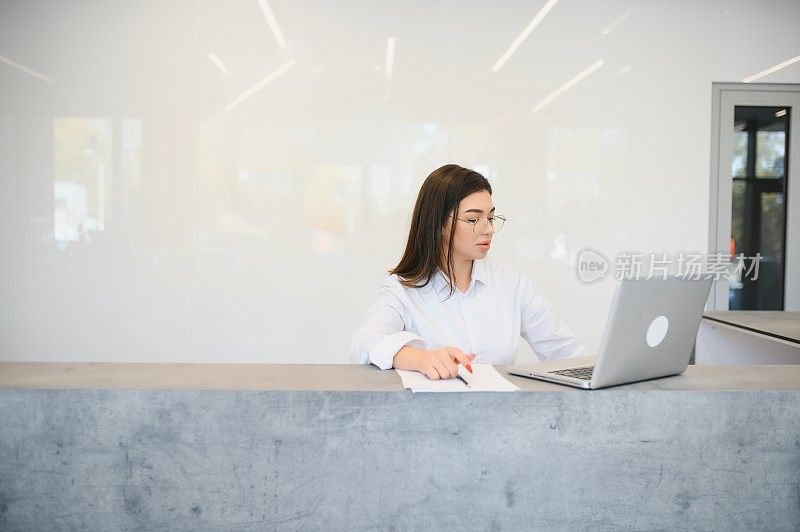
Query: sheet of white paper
x=484, y=378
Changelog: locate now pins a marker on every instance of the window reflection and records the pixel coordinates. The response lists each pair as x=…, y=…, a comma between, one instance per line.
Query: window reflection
x=739, y=168
x=577, y=157
x=261, y=185
x=131, y=167
x=82, y=165
x=381, y=188
x=332, y=202
x=245, y=186
x=772, y=215
x=770, y=152
x=83, y=173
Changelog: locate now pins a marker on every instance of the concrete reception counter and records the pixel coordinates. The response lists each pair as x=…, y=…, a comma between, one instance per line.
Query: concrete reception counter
x=343, y=447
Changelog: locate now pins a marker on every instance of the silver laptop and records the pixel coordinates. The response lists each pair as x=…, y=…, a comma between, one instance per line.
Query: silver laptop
x=650, y=333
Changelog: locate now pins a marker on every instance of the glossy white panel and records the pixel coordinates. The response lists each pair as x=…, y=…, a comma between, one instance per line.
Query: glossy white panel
x=201, y=181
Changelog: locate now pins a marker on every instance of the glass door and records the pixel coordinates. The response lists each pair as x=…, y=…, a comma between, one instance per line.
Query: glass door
x=755, y=196
x=758, y=217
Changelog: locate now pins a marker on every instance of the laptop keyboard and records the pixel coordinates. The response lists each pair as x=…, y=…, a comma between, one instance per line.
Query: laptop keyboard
x=584, y=373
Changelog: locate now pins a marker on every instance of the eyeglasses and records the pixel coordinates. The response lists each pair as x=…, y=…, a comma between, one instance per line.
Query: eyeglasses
x=497, y=222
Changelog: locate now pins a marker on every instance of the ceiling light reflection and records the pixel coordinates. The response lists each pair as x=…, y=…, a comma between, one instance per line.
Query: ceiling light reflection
x=608, y=29
x=272, y=21
x=260, y=85
x=555, y=94
x=390, y=44
x=219, y=64
x=771, y=70
x=27, y=70
x=524, y=35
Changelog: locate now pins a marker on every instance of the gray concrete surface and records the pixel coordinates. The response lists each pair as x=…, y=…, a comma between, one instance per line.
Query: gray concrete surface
x=345, y=377
x=621, y=458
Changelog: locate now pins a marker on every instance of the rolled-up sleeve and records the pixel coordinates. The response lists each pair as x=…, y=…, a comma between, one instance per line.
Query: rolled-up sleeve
x=548, y=336
x=383, y=333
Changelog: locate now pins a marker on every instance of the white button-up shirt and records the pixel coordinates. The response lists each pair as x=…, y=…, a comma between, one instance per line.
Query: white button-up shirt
x=500, y=305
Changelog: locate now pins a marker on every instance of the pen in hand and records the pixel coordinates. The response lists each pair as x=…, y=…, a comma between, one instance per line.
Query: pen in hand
x=469, y=368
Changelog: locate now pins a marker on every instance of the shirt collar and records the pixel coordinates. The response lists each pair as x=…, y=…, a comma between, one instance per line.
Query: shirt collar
x=479, y=273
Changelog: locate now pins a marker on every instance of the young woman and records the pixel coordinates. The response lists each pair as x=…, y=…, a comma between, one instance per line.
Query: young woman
x=445, y=304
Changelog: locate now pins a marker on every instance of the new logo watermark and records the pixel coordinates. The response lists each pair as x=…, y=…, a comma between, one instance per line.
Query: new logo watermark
x=592, y=266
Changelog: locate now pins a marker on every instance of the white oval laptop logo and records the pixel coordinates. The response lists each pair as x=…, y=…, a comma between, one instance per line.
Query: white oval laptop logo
x=657, y=331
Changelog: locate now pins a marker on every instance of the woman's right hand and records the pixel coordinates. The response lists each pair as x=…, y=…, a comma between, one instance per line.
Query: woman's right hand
x=443, y=363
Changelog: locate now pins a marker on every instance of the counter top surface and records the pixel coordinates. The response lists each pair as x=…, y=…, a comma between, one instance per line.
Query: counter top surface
x=777, y=323
x=343, y=377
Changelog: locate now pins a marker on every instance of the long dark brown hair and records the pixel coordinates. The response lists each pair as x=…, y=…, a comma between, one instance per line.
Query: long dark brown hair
x=440, y=196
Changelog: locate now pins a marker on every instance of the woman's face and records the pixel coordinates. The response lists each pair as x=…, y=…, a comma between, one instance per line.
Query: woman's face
x=469, y=244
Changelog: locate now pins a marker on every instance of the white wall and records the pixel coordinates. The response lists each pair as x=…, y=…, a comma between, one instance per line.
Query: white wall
x=143, y=219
